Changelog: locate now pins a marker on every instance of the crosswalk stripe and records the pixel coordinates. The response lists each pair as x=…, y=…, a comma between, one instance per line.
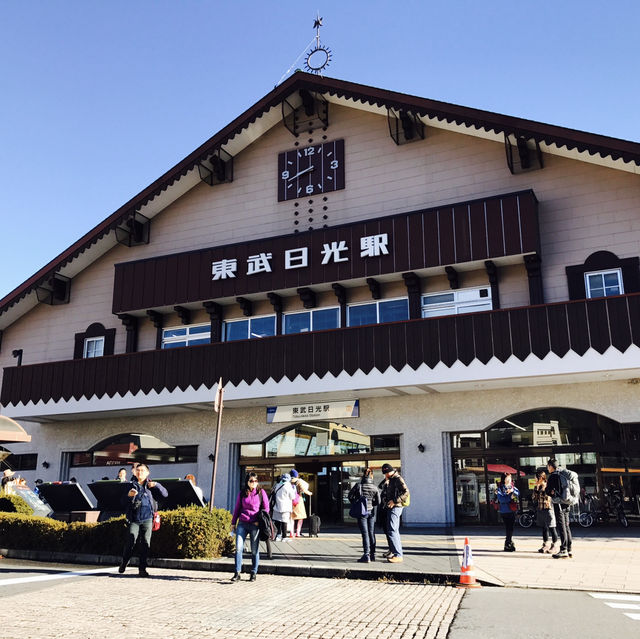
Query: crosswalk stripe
x=625, y=606
x=614, y=597
x=633, y=615
x=63, y=575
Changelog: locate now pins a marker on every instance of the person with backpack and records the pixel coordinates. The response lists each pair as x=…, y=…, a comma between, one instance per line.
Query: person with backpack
x=394, y=496
x=366, y=495
x=245, y=522
x=564, y=488
x=545, y=516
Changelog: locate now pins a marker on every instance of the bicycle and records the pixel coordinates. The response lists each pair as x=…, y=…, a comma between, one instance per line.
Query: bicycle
x=526, y=518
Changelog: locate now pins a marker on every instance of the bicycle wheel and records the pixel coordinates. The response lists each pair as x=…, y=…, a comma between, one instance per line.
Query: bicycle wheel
x=525, y=520
x=586, y=520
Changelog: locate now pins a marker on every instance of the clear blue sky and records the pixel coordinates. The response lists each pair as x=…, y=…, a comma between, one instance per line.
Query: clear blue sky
x=99, y=98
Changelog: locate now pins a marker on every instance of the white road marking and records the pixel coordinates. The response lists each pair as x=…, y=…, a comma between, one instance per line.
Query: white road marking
x=623, y=606
x=64, y=575
x=633, y=615
x=614, y=597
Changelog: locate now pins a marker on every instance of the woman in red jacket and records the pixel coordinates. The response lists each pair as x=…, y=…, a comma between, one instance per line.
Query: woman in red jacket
x=245, y=522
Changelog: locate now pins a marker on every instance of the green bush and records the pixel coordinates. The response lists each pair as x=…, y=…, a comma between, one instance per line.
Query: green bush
x=185, y=533
x=14, y=504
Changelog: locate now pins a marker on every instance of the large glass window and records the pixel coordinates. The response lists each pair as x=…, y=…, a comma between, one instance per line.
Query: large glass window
x=134, y=447
x=378, y=312
x=316, y=320
x=251, y=328
x=603, y=283
x=186, y=335
x=465, y=300
x=27, y=461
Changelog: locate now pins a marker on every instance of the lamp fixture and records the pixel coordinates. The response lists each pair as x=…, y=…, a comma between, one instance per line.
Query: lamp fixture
x=210, y=457
x=18, y=355
x=421, y=447
x=45, y=464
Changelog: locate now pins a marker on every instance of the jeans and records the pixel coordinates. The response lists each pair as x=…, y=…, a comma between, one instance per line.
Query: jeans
x=367, y=529
x=545, y=534
x=391, y=520
x=509, y=521
x=242, y=530
x=562, y=524
x=138, y=530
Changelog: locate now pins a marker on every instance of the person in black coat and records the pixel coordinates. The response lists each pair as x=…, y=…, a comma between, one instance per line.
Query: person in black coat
x=366, y=522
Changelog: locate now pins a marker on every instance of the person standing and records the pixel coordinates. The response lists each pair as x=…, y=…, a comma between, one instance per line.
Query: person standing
x=191, y=478
x=507, y=495
x=394, y=494
x=561, y=511
x=122, y=475
x=299, y=512
x=251, y=499
x=366, y=523
x=545, y=516
x=140, y=506
x=283, y=495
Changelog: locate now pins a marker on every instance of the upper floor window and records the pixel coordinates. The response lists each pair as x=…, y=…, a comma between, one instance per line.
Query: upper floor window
x=93, y=347
x=603, y=283
x=250, y=328
x=378, y=312
x=186, y=335
x=466, y=300
x=316, y=320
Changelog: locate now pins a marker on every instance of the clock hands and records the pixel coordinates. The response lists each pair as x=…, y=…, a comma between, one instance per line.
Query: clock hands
x=299, y=173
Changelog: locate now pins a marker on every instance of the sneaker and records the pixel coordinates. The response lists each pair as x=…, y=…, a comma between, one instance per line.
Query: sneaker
x=563, y=554
x=552, y=550
x=253, y=576
x=570, y=554
x=284, y=539
x=122, y=567
x=364, y=559
x=236, y=576
x=543, y=548
x=278, y=538
x=298, y=535
x=394, y=559
x=387, y=554
x=372, y=557
x=142, y=572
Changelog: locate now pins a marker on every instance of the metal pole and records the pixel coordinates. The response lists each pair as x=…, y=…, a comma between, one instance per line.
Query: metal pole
x=220, y=395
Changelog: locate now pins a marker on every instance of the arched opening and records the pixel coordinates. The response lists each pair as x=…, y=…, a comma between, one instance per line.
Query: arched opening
x=331, y=456
x=602, y=451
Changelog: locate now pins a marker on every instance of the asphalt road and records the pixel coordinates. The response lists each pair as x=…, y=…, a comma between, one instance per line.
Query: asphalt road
x=505, y=613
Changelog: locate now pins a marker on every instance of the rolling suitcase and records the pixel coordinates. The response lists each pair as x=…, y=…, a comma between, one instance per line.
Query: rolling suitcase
x=314, y=525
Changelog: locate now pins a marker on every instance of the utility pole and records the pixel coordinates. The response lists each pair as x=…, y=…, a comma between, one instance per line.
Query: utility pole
x=217, y=407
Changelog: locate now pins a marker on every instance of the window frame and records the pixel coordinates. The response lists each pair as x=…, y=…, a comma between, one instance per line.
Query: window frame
x=187, y=337
x=311, y=312
x=97, y=340
x=455, y=303
x=602, y=273
x=377, y=304
x=249, y=320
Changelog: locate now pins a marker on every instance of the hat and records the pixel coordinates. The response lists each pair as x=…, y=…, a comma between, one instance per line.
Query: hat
x=285, y=477
x=293, y=472
x=8, y=473
x=387, y=468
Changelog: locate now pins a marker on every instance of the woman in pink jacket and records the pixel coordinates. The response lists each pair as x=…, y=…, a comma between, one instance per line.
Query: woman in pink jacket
x=245, y=522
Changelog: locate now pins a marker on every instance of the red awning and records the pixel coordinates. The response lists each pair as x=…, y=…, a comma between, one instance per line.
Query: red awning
x=502, y=468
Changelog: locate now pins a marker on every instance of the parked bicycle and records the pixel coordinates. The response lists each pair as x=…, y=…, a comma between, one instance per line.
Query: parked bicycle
x=526, y=517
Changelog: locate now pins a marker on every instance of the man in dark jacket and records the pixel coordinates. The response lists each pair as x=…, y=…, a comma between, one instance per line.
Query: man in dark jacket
x=140, y=506
x=561, y=511
x=393, y=496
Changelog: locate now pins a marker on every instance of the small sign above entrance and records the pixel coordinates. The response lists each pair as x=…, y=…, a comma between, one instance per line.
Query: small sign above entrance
x=317, y=410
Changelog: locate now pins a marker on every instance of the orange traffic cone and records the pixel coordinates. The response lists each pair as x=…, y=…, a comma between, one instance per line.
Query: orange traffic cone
x=467, y=572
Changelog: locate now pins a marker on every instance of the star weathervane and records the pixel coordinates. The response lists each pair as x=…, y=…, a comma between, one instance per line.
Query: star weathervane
x=319, y=56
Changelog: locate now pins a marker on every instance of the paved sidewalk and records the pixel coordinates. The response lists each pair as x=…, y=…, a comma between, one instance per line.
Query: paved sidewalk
x=605, y=559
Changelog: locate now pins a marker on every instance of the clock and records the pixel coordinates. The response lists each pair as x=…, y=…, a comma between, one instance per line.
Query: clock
x=311, y=170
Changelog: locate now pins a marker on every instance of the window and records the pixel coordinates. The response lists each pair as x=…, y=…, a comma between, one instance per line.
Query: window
x=466, y=300
x=250, y=328
x=378, y=312
x=318, y=320
x=186, y=336
x=93, y=347
x=603, y=283
x=19, y=462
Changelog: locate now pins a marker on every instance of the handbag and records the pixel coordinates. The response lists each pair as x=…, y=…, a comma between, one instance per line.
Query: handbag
x=513, y=506
x=359, y=508
x=156, y=522
x=265, y=524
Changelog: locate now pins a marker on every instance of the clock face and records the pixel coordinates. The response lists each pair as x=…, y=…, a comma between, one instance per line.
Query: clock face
x=311, y=170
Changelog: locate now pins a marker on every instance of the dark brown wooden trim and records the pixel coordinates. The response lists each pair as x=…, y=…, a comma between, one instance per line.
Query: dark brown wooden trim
x=414, y=292
x=158, y=321
x=492, y=274
x=130, y=322
x=94, y=330
x=601, y=261
x=533, y=264
x=216, y=316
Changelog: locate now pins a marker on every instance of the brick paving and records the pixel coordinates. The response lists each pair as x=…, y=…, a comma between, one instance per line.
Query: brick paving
x=179, y=604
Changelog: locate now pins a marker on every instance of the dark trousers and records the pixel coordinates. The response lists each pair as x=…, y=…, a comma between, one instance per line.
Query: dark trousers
x=562, y=524
x=141, y=531
x=367, y=530
x=509, y=522
x=545, y=534
x=281, y=527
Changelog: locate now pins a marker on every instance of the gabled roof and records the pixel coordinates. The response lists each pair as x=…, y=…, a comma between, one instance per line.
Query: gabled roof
x=267, y=112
